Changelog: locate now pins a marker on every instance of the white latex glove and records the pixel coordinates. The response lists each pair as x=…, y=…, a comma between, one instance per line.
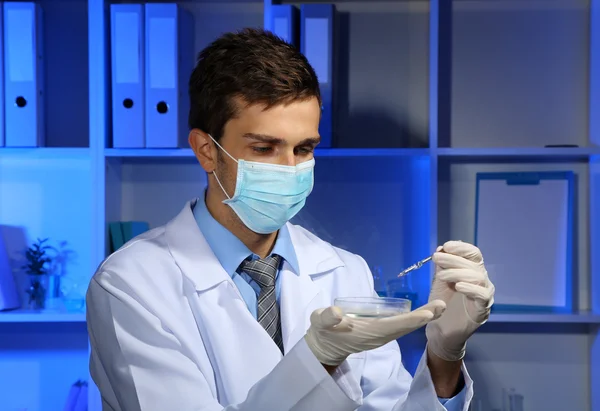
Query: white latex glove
x=332, y=336
x=462, y=282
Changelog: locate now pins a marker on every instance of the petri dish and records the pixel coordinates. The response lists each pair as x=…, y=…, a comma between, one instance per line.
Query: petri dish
x=372, y=307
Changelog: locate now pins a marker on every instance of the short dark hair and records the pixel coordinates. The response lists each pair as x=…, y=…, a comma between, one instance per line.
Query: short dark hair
x=253, y=65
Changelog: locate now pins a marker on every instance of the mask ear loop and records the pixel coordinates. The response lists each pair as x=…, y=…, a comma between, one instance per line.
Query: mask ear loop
x=215, y=173
x=221, y=147
x=221, y=185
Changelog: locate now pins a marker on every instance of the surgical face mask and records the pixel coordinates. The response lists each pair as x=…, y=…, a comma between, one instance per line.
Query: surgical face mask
x=268, y=195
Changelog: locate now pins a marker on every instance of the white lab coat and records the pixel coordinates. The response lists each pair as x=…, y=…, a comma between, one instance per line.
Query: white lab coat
x=170, y=331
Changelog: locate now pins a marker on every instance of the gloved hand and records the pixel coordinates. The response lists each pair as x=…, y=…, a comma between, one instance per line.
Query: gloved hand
x=462, y=282
x=332, y=336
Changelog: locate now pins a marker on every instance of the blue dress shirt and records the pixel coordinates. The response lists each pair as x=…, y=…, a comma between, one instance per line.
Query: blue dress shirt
x=231, y=252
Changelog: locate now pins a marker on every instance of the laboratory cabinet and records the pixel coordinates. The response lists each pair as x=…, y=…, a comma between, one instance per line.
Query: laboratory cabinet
x=425, y=96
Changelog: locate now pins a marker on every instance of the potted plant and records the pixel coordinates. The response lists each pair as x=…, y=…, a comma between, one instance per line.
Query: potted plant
x=37, y=265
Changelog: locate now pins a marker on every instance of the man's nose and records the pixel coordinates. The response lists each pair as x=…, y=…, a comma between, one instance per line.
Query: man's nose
x=289, y=158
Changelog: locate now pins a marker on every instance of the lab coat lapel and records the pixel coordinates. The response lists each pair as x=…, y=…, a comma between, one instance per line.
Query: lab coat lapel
x=240, y=350
x=299, y=297
x=300, y=293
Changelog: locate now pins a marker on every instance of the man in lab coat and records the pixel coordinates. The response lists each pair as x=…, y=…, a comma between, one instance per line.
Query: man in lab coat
x=229, y=306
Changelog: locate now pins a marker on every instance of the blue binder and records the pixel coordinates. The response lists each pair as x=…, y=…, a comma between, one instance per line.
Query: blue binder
x=317, y=44
x=285, y=22
x=169, y=62
x=23, y=75
x=2, y=139
x=524, y=226
x=127, y=63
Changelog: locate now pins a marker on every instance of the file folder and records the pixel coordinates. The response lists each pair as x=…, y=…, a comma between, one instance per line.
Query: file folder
x=524, y=226
x=317, y=44
x=23, y=75
x=132, y=229
x=285, y=22
x=121, y=232
x=127, y=64
x=169, y=63
x=116, y=237
x=2, y=139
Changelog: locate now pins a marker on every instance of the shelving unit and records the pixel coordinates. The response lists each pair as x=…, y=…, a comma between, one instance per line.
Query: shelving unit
x=30, y=316
x=429, y=93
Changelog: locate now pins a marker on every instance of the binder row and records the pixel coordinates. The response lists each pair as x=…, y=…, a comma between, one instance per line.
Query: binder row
x=21, y=84
x=152, y=56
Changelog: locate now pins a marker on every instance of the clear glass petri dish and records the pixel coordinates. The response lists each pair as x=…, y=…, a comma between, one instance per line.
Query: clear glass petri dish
x=372, y=307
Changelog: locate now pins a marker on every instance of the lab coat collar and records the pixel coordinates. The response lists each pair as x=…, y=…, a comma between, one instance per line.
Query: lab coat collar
x=229, y=250
x=191, y=251
x=196, y=259
x=315, y=256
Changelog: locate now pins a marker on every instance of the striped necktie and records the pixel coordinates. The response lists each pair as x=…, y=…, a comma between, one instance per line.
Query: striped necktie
x=263, y=271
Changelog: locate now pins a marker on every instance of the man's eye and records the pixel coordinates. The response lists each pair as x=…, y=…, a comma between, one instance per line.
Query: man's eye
x=262, y=150
x=305, y=150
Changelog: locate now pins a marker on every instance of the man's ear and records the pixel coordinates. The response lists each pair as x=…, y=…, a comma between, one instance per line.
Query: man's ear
x=204, y=149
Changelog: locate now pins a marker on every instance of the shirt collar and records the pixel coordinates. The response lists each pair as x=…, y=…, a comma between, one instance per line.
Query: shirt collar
x=229, y=250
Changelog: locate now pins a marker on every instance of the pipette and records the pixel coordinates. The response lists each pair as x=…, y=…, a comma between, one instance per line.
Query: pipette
x=415, y=266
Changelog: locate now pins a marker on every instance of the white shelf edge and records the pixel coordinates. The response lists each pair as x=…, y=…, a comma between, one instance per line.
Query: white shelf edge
x=44, y=152
x=568, y=152
x=29, y=316
x=167, y=153
x=516, y=152
x=551, y=318
x=148, y=152
x=371, y=152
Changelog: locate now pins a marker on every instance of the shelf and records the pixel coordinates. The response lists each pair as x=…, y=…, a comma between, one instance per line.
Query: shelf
x=29, y=316
x=323, y=152
x=572, y=153
x=148, y=152
x=44, y=152
x=554, y=153
x=26, y=316
x=574, y=318
x=371, y=152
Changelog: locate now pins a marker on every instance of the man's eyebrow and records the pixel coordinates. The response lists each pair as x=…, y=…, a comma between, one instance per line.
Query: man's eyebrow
x=310, y=141
x=265, y=138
